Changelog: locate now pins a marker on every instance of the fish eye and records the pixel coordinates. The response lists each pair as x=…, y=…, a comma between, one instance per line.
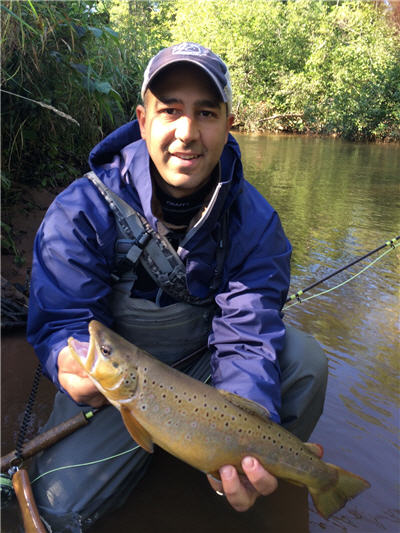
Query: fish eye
x=106, y=350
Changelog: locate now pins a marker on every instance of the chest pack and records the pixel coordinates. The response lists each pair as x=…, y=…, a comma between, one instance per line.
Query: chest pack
x=138, y=241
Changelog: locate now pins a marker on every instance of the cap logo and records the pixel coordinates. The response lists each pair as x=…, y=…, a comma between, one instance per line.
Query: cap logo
x=191, y=49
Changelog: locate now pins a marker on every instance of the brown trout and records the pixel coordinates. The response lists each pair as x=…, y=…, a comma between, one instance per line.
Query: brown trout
x=205, y=427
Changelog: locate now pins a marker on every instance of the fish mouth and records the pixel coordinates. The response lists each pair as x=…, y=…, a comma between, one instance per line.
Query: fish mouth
x=83, y=352
x=88, y=354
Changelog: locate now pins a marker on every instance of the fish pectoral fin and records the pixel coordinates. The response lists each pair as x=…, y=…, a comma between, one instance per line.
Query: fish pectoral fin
x=137, y=432
x=247, y=405
x=315, y=449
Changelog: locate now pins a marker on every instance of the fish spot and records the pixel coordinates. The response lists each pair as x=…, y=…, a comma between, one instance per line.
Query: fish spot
x=115, y=364
x=240, y=430
x=188, y=436
x=225, y=406
x=143, y=407
x=145, y=381
x=179, y=401
x=171, y=387
x=226, y=424
x=196, y=410
x=176, y=396
x=249, y=431
x=205, y=405
x=161, y=386
x=213, y=425
x=164, y=396
x=207, y=414
x=194, y=424
x=264, y=437
x=145, y=369
x=189, y=399
x=153, y=382
x=222, y=415
x=184, y=393
x=233, y=417
x=194, y=396
x=167, y=410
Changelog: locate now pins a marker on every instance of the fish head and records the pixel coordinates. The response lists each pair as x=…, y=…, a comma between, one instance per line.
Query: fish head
x=108, y=362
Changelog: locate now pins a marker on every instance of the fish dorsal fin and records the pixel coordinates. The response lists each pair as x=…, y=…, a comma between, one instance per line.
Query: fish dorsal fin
x=315, y=449
x=247, y=405
x=137, y=432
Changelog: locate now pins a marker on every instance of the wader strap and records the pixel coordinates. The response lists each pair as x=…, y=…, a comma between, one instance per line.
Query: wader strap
x=154, y=251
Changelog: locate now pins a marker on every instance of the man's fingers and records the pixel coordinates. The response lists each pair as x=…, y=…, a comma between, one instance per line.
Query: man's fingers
x=239, y=494
x=242, y=491
x=260, y=479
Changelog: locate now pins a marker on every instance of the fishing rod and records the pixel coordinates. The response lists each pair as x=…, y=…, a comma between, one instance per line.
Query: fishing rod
x=298, y=294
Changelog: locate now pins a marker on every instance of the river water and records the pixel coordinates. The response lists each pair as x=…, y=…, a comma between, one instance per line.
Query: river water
x=337, y=201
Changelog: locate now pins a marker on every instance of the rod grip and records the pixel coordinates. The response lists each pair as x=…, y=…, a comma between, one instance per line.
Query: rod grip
x=46, y=439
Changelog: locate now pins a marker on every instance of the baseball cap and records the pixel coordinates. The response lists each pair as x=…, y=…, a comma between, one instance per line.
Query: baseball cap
x=198, y=55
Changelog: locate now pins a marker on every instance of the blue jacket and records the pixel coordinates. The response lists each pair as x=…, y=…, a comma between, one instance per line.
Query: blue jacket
x=74, y=255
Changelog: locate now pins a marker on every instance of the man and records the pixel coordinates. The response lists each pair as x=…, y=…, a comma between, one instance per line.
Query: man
x=167, y=244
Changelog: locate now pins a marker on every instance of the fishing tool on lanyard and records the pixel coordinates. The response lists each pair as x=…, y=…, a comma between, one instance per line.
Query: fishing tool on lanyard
x=14, y=479
x=17, y=480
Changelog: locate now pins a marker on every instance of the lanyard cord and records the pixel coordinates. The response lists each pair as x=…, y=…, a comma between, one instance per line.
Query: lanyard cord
x=27, y=415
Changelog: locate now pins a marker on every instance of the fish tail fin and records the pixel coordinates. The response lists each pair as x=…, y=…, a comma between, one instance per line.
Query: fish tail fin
x=334, y=497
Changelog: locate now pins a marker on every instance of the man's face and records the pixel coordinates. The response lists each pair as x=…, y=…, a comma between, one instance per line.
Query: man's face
x=185, y=127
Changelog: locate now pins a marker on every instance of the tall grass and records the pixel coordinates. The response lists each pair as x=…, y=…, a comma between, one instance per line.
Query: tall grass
x=61, y=88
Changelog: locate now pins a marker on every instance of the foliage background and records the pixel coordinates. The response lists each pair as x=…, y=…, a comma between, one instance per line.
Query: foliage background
x=72, y=70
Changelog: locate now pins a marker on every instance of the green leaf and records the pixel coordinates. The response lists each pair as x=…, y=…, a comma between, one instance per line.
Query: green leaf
x=102, y=87
x=97, y=32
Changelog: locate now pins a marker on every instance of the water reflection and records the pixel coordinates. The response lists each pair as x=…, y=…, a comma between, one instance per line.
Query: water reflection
x=337, y=201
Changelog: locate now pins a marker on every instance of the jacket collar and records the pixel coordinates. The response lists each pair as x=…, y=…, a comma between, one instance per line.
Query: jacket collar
x=123, y=153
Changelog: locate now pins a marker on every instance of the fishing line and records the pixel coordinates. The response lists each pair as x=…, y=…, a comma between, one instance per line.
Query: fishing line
x=85, y=464
x=298, y=294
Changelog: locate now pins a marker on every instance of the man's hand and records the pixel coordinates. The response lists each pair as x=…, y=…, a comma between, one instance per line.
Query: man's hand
x=240, y=491
x=76, y=381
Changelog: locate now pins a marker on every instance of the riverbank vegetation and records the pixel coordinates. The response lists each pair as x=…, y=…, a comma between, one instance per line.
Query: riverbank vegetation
x=72, y=70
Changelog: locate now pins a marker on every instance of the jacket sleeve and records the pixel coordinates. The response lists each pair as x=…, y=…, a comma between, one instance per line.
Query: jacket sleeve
x=248, y=331
x=70, y=272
